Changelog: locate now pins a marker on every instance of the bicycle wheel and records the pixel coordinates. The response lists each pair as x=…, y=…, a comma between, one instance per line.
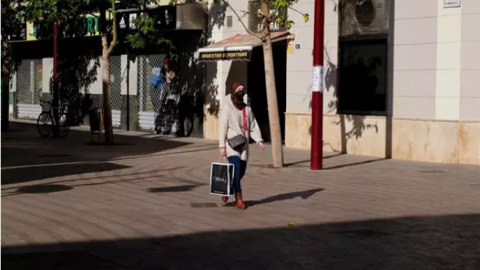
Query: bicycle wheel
x=45, y=124
x=63, y=125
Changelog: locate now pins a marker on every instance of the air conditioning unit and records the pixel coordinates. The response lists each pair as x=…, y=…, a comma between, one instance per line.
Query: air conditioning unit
x=364, y=17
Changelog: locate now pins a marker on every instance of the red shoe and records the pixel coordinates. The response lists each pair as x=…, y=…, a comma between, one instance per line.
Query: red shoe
x=225, y=199
x=239, y=203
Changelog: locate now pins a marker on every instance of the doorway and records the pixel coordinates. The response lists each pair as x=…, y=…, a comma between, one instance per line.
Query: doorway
x=257, y=86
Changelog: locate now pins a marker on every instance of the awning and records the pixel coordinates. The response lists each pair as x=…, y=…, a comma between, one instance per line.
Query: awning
x=236, y=48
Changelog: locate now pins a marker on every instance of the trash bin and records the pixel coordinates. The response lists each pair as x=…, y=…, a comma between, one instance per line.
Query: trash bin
x=95, y=116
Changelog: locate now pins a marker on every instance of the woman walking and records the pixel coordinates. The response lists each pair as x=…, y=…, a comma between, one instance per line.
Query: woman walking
x=237, y=126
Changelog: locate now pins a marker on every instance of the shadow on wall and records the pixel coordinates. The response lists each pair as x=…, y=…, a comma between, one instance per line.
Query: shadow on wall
x=216, y=20
x=390, y=83
x=76, y=74
x=351, y=126
x=78, y=64
x=77, y=71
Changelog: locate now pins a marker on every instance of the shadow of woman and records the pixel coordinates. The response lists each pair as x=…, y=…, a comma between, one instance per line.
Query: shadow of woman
x=305, y=195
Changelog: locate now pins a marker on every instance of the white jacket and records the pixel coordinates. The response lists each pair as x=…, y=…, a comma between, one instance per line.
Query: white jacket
x=231, y=125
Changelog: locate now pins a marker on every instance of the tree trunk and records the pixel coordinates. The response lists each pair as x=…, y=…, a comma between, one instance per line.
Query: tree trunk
x=5, y=86
x=273, y=116
x=107, y=89
x=107, y=93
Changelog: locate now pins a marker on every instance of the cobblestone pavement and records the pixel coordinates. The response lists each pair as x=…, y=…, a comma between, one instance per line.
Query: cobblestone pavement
x=144, y=204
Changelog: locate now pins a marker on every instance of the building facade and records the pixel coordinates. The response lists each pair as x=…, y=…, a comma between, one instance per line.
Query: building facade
x=399, y=77
x=407, y=92
x=153, y=89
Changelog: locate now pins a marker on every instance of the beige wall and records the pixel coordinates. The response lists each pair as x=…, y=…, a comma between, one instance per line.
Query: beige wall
x=417, y=140
x=365, y=135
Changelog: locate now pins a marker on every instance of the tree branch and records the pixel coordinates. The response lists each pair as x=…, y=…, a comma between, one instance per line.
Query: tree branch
x=296, y=10
x=240, y=19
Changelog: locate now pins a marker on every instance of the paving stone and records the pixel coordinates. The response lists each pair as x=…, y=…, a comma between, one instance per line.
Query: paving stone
x=70, y=205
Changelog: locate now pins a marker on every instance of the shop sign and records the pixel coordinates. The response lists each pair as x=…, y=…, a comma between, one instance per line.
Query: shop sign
x=164, y=17
x=290, y=47
x=90, y=26
x=255, y=21
x=218, y=56
x=452, y=3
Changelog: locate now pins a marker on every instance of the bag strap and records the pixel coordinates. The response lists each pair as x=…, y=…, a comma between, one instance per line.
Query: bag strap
x=244, y=111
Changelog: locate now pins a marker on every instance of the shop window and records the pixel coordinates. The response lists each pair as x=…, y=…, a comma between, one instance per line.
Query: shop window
x=363, y=77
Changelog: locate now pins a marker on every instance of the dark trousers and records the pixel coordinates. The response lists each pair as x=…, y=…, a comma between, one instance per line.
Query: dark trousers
x=240, y=168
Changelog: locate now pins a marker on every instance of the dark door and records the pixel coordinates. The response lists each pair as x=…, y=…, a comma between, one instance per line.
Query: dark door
x=257, y=86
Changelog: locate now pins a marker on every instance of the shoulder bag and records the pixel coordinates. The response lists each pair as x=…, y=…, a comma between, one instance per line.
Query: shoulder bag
x=240, y=140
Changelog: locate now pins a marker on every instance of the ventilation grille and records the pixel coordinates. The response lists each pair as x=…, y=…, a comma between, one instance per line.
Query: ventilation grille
x=365, y=13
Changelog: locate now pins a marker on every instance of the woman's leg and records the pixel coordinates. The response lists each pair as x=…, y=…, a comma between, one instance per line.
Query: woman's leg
x=243, y=166
x=240, y=167
x=237, y=163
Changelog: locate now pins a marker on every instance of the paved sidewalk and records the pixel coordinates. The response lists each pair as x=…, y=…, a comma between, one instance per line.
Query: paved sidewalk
x=144, y=204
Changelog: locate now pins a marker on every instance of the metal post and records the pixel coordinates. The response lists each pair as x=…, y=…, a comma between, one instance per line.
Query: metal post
x=56, y=94
x=55, y=52
x=316, y=154
x=128, y=91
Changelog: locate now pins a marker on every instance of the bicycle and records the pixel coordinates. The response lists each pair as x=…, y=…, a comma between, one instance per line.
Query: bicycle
x=46, y=121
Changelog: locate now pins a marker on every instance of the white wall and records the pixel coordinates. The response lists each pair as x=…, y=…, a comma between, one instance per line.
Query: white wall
x=221, y=74
x=96, y=87
x=300, y=62
x=47, y=73
x=132, y=76
x=436, y=52
x=469, y=91
x=436, y=56
x=415, y=58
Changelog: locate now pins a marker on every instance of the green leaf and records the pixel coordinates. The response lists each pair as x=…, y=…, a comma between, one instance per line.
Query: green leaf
x=306, y=17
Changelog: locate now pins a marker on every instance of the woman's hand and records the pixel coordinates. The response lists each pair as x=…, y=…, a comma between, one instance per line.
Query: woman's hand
x=260, y=144
x=223, y=152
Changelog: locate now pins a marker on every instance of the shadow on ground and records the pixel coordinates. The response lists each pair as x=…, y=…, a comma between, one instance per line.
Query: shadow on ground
x=29, y=157
x=43, y=189
x=285, y=197
x=444, y=242
x=28, y=148
x=22, y=175
x=183, y=188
